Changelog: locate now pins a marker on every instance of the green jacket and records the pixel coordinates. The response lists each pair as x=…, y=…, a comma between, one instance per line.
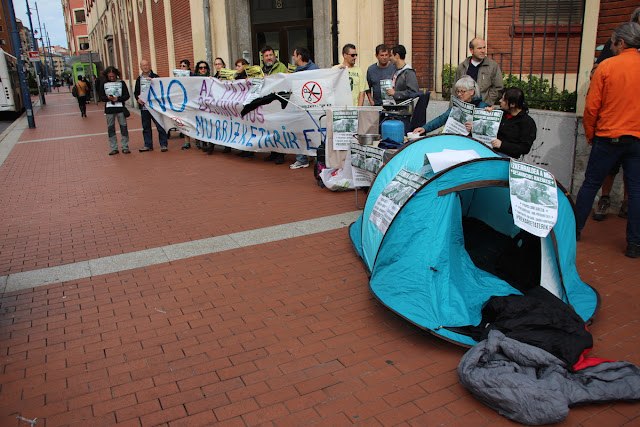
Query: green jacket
x=278, y=67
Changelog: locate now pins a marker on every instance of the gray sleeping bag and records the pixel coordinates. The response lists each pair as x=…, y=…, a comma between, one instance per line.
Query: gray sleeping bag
x=531, y=386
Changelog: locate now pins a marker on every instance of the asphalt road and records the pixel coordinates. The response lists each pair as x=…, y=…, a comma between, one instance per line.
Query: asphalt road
x=5, y=123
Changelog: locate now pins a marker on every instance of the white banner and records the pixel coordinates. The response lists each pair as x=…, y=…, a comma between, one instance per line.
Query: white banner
x=208, y=109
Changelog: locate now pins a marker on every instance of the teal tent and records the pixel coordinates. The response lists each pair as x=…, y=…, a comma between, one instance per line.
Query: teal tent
x=453, y=244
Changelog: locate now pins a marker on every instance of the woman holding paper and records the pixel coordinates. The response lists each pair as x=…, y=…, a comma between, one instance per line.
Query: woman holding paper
x=517, y=129
x=240, y=71
x=466, y=90
x=114, y=93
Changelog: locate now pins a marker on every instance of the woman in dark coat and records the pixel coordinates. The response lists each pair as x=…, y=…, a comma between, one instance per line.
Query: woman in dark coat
x=517, y=129
x=114, y=93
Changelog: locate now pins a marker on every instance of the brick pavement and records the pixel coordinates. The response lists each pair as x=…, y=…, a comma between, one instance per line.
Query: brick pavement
x=282, y=333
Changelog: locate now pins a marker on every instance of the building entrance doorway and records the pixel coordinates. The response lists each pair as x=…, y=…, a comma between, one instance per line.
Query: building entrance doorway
x=281, y=25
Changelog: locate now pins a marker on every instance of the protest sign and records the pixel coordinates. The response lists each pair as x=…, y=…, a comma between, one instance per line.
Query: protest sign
x=534, y=198
x=181, y=73
x=113, y=89
x=386, y=98
x=461, y=113
x=485, y=125
x=209, y=109
x=366, y=161
x=345, y=126
x=393, y=197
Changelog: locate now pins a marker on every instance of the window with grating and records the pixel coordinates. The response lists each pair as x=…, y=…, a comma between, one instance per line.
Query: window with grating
x=551, y=12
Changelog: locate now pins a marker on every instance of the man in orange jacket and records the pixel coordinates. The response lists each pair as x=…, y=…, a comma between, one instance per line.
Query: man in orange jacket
x=612, y=127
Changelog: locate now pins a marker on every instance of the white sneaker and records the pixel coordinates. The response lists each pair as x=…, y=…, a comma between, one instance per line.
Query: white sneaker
x=298, y=165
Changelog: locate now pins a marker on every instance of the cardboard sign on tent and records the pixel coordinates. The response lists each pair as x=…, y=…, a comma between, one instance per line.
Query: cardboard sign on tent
x=453, y=244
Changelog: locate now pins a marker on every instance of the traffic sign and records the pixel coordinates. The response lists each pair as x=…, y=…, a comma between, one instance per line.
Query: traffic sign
x=34, y=56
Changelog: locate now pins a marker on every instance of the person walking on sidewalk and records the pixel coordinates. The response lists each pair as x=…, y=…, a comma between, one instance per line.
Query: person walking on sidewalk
x=114, y=93
x=83, y=89
x=142, y=82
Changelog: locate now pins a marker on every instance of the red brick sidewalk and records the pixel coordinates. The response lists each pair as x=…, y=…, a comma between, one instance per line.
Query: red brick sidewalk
x=284, y=333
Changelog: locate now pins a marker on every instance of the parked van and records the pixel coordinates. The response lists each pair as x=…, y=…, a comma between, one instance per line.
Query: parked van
x=10, y=91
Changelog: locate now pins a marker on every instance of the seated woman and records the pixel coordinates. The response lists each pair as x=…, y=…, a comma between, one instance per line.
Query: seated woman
x=466, y=89
x=517, y=129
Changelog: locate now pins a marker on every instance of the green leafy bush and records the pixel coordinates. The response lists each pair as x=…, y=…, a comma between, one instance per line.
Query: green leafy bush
x=32, y=83
x=541, y=95
x=538, y=92
x=448, y=80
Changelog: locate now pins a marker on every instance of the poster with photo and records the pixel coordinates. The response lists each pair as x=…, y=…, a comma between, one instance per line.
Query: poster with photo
x=386, y=98
x=485, y=125
x=366, y=161
x=534, y=198
x=256, y=84
x=461, y=113
x=393, y=197
x=113, y=89
x=345, y=126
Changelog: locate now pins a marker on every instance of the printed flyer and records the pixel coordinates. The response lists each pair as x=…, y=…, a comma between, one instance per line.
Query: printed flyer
x=181, y=73
x=254, y=90
x=485, y=125
x=345, y=126
x=366, y=161
x=386, y=98
x=461, y=113
x=144, y=84
x=534, y=198
x=113, y=89
x=393, y=197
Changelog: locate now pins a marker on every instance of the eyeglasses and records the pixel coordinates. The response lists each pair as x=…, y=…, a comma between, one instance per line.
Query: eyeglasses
x=353, y=55
x=461, y=91
x=183, y=65
x=203, y=68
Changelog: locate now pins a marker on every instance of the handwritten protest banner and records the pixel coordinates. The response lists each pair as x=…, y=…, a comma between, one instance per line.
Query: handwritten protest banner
x=209, y=109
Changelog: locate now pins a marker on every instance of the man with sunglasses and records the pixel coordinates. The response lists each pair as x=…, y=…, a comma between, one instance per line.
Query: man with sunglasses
x=357, y=77
x=142, y=82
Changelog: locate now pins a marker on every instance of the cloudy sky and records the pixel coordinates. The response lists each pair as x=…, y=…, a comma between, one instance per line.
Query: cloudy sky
x=50, y=17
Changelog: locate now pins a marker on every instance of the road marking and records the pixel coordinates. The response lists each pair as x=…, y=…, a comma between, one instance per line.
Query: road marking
x=175, y=252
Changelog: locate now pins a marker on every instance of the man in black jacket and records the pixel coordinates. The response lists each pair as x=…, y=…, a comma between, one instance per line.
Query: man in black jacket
x=142, y=82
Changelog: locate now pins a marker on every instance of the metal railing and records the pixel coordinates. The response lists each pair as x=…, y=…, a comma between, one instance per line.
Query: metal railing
x=535, y=42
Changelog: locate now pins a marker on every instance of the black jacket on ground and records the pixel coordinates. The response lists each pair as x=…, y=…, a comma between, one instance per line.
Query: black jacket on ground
x=123, y=98
x=517, y=134
x=136, y=90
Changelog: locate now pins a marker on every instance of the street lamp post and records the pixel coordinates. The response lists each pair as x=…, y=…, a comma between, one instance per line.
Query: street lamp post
x=38, y=67
x=44, y=51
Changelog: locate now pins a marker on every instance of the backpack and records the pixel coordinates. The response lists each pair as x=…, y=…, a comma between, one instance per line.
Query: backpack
x=74, y=90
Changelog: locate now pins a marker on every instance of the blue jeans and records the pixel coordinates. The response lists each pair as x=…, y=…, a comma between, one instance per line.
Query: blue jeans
x=147, y=134
x=603, y=156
